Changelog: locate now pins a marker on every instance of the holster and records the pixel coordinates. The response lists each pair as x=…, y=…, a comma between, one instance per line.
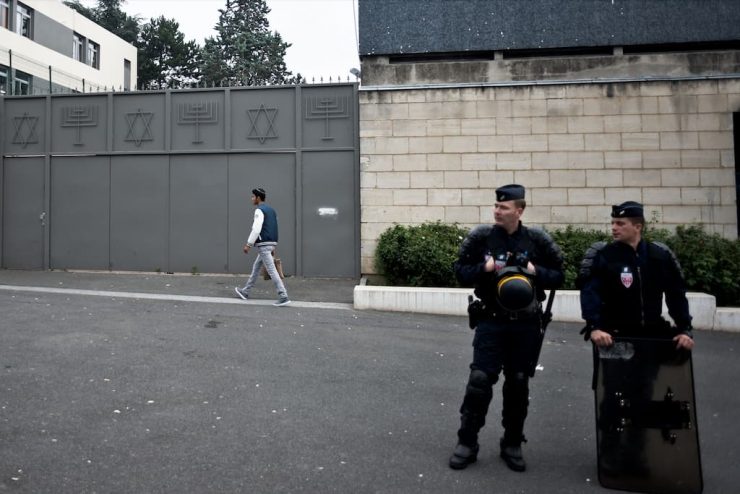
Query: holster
x=476, y=311
x=479, y=310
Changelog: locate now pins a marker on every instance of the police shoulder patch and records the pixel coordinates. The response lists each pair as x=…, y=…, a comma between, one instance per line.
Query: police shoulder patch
x=587, y=263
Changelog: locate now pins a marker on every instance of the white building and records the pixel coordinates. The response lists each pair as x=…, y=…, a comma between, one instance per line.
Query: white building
x=47, y=47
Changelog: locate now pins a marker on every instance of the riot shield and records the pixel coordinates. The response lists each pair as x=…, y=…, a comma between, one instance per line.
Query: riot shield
x=646, y=427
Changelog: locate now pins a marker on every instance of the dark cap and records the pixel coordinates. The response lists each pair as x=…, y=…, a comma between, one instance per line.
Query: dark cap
x=510, y=192
x=629, y=209
x=259, y=192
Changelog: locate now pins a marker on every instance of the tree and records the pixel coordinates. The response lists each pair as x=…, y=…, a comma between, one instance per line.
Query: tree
x=85, y=11
x=165, y=58
x=109, y=15
x=114, y=19
x=245, y=51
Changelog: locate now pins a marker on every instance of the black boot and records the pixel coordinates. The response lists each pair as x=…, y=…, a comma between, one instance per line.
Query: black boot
x=463, y=456
x=511, y=452
x=473, y=411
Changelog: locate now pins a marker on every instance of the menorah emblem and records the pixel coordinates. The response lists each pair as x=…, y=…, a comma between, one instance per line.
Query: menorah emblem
x=79, y=116
x=326, y=109
x=146, y=132
x=27, y=123
x=260, y=130
x=197, y=114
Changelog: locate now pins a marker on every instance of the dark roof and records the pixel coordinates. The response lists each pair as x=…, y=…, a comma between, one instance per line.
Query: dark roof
x=393, y=27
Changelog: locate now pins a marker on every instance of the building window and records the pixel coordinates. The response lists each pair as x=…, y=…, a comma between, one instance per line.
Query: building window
x=126, y=75
x=93, y=54
x=21, y=83
x=23, y=20
x=4, y=14
x=78, y=51
x=3, y=79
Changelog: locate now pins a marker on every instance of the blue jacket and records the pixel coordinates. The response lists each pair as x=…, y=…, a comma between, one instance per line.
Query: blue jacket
x=269, y=232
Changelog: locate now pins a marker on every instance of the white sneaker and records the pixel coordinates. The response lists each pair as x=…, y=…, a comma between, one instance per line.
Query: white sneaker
x=281, y=302
x=241, y=293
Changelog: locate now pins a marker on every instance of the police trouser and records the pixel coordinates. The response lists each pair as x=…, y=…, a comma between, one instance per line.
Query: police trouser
x=499, y=344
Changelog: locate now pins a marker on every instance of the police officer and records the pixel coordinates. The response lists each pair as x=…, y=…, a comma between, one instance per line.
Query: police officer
x=501, y=261
x=622, y=285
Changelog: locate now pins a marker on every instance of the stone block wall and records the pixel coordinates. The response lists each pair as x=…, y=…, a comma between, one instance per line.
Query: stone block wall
x=439, y=153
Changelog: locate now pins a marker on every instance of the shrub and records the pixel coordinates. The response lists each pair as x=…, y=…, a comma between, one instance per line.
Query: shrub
x=419, y=255
x=710, y=263
x=574, y=242
x=424, y=256
x=657, y=234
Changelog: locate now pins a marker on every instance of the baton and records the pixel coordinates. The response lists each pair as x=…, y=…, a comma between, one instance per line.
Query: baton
x=546, y=319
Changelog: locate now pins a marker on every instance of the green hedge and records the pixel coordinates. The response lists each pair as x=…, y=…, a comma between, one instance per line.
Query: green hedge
x=419, y=255
x=423, y=256
x=711, y=263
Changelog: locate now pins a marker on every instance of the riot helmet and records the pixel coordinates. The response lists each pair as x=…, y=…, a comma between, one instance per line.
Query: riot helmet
x=514, y=289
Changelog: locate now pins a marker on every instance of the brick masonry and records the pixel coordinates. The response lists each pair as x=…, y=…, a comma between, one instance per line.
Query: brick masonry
x=438, y=154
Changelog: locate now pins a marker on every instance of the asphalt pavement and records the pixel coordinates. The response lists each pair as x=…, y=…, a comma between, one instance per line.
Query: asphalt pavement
x=170, y=384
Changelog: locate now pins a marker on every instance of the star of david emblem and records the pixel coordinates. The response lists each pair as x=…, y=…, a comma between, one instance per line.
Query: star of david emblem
x=139, y=129
x=263, y=123
x=25, y=130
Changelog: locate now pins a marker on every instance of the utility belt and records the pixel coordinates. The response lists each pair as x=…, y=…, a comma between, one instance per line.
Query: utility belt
x=478, y=311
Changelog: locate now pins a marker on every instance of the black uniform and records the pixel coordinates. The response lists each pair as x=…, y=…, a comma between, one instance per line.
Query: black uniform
x=503, y=340
x=622, y=290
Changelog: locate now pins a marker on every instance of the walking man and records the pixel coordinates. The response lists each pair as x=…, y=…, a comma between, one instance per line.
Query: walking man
x=264, y=236
x=510, y=266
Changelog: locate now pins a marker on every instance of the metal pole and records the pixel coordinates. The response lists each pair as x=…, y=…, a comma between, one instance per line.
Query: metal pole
x=50, y=90
x=11, y=75
x=736, y=139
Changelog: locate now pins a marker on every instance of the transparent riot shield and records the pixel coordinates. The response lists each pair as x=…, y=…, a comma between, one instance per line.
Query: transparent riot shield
x=646, y=427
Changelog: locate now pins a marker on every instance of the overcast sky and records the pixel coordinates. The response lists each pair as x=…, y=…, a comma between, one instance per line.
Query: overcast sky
x=323, y=32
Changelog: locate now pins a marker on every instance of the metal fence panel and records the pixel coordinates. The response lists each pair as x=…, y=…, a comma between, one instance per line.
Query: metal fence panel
x=25, y=132
x=23, y=206
x=198, y=213
x=328, y=216
x=263, y=119
x=79, y=124
x=198, y=122
x=80, y=212
x=327, y=116
x=139, y=216
x=276, y=174
x=139, y=123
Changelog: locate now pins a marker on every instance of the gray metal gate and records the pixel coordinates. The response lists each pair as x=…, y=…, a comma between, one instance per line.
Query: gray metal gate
x=149, y=181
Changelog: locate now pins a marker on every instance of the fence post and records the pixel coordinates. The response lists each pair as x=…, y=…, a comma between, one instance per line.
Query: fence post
x=11, y=75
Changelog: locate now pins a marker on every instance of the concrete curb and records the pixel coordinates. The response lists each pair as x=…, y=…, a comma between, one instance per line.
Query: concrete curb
x=566, y=307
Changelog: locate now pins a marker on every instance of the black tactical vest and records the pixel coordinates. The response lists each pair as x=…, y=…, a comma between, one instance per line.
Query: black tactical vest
x=632, y=287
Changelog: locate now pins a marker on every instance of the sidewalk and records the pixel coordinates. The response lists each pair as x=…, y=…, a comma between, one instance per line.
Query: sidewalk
x=320, y=290
x=348, y=293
